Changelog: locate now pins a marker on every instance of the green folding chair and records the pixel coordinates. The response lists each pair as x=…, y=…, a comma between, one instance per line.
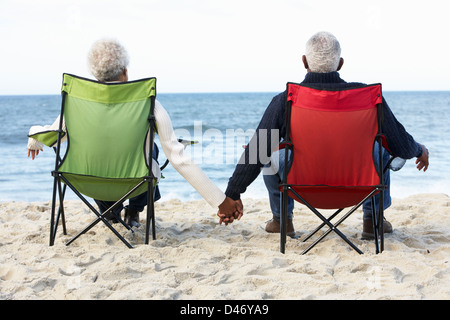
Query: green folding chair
x=107, y=127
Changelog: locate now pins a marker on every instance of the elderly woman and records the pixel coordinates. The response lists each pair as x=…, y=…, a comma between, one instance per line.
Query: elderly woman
x=108, y=61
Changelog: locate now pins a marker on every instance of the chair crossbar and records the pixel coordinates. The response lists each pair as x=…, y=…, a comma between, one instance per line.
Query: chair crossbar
x=100, y=217
x=321, y=225
x=331, y=226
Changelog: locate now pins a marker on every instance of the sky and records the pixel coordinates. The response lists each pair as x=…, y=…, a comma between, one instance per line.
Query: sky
x=225, y=45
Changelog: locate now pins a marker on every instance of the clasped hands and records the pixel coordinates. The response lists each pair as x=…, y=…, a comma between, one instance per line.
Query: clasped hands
x=229, y=210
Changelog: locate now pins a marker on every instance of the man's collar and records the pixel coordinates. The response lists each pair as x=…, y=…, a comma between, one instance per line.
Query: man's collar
x=330, y=77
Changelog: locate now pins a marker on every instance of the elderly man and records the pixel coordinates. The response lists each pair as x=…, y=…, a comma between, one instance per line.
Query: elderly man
x=108, y=61
x=322, y=60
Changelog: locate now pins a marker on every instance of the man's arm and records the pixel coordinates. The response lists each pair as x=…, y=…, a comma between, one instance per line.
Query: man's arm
x=265, y=140
x=400, y=142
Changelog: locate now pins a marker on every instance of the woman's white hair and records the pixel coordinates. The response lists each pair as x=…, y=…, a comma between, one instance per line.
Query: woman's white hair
x=323, y=52
x=107, y=60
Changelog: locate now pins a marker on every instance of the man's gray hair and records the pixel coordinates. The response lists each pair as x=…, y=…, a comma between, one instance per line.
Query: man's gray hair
x=323, y=52
x=107, y=60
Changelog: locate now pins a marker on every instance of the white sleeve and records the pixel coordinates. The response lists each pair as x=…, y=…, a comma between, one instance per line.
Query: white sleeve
x=33, y=144
x=182, y=161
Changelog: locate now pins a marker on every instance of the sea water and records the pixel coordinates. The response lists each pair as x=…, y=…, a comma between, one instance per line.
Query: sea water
x=222, y=123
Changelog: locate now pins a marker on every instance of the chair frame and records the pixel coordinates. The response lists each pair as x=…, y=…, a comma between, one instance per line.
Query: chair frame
x=60, y=190
x=286, y=189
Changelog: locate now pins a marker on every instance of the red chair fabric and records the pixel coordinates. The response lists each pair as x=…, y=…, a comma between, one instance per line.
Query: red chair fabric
x=333, y=133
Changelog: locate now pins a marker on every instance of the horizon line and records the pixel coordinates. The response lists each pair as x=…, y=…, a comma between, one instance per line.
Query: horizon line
x=207, y=92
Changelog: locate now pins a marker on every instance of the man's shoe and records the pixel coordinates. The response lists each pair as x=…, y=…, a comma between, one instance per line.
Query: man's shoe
x=273, y=226
x=368, y=233
x=132, y=217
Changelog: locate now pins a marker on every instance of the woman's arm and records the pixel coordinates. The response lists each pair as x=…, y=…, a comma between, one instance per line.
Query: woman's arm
x=182, y=161
x=33, y=145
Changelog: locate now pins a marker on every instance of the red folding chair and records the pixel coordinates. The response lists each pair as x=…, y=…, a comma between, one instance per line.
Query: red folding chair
x=331, y=134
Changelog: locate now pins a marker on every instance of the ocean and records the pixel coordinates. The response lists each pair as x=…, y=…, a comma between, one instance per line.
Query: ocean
x=222, y=123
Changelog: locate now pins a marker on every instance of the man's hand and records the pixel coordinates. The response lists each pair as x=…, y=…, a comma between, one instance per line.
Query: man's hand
x=229, y=210
x=422, y=161
x=33, y=153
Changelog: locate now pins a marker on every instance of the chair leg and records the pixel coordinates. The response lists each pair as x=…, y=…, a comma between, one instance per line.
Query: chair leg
x=375, y=223
x=61, y=214
x=150, y=220
x=378, y=225
x=153, y=221
x=53, y=227
x=381, y=222
x=150, y=213
x=283, y=219
x=55, y=217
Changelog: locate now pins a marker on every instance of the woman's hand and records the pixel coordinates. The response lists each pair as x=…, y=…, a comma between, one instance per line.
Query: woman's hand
x=33, y=153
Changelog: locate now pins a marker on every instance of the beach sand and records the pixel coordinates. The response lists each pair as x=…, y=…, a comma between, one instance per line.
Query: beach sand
x=195, y=258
